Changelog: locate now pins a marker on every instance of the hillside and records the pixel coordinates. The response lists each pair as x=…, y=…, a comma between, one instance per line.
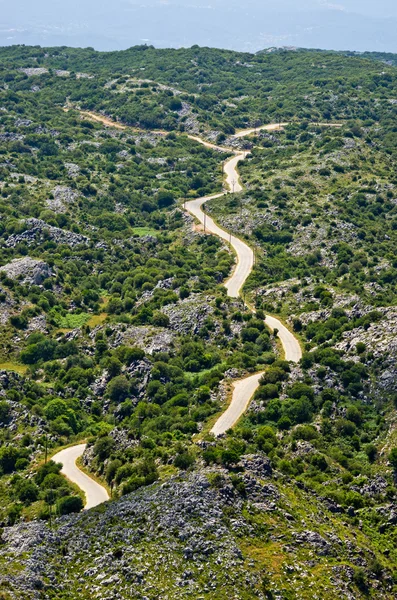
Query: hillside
x=116, y=328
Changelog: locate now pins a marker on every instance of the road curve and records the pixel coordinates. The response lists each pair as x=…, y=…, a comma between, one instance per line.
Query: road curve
x=95, y=494
x=244, y=389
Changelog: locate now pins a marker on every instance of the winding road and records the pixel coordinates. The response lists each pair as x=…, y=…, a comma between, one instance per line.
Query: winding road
x=95, y=494
x=244, y=389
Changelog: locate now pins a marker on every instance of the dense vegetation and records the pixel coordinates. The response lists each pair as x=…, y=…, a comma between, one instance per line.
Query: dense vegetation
x=114, y=325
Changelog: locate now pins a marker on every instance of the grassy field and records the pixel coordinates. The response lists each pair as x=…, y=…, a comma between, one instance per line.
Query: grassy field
x=13, y=366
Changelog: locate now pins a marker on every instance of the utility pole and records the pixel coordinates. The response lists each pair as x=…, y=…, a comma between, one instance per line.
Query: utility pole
x=50, y=505
x=205, y=220
x=46, y=448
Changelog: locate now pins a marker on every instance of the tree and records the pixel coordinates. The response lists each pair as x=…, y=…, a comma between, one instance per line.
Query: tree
x=371, y=452
x=118, y=388
x=183, y=460
x=111, y=470
x=103, y=447
x=165, y=199
x=55, y=408
x=5, y=412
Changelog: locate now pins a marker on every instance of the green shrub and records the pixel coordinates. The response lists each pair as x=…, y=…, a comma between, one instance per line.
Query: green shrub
x=69, y=504
x=184, y=460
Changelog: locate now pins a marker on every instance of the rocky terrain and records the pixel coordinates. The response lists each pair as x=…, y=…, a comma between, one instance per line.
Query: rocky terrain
x=200, y=535
x=37, y=230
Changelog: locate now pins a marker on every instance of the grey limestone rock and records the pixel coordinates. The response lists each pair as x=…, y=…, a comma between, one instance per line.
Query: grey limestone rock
x=29, y=270
x=37, y=231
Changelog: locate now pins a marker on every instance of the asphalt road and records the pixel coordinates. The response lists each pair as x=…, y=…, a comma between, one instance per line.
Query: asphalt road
x=244, y=389
x=95, y=494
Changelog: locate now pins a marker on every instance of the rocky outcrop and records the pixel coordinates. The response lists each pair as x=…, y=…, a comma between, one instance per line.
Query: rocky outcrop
x=32, y=71
x=257, y=464
x=28, y=270
x=150, y=339
x=314, y=540
x=62, y=198
x=37, y=231
x=189, y=315
x=72, y=169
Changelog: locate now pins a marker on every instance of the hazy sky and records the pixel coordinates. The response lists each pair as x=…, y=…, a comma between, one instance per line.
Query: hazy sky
x=238, y=24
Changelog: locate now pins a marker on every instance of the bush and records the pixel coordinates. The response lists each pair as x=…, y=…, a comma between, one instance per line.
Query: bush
x=27, y=492
x=103, y=447
x=393, y=459
x=300, y=390
x=359, y=579
x=305, y=432
x=14, y=513
x=5, y=412
x=216, y=480
x=319, y=462
x=118, y=388
x=8, y=458
x=284, y=423
x=69, y=504
x=229, y=457
x=361, y=348
x=160, y=319
x=43, y=350
x=184, y=460
x=268, y=391
x=132, y=484
x=238, y=484
x=165, y=199
x=300, y=411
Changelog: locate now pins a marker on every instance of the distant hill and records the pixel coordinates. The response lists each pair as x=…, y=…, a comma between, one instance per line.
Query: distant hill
x=248, y=26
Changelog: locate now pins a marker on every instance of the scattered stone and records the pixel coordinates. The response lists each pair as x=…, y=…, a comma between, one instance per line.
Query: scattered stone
x=72, y=169
x=33, y=71
x=63, y=197
x=314, y=539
